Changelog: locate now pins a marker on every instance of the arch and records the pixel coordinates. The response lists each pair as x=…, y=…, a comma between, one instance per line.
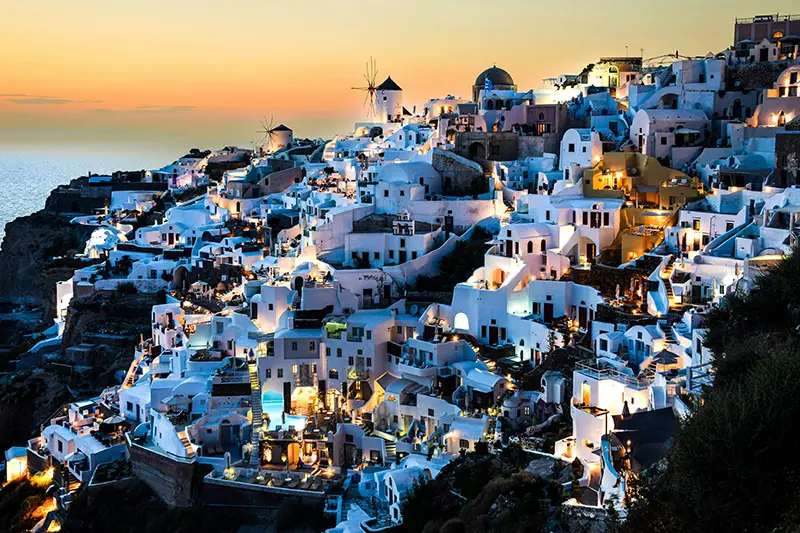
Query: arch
x=530, y=247
x=477, y=151
x=298, y=283
x=736, y=112
x=541, y=116
x=586, y=393
x=782, y=119
x=498, y=276
x=180, y=278
x=543, y=246
x=238, y=207
x=461, y=321
x=490, y=105
x=333, y=374
x=522, y=342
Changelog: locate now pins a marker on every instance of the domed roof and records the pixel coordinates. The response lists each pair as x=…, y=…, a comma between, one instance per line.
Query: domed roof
x=498, y=76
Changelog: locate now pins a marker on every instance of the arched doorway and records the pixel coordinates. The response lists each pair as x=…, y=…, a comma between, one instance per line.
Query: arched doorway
x=737, y=109
x=477, y=151
x=497, y=277
x=180, y=278
x=461, y=322
x=298, y=284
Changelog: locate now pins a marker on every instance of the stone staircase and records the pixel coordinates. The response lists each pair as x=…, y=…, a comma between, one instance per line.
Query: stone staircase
x=670, y=335
x=258, y=416
x=666, y=277
x=130, y=377
x=391, y=452
x=186, y=444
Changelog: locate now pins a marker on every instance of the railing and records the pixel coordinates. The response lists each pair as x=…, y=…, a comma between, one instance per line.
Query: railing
x=358, y=374
x=767, y=18
x=610, y=373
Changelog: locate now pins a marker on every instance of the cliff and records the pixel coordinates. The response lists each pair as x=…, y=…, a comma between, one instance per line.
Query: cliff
x=27, y=251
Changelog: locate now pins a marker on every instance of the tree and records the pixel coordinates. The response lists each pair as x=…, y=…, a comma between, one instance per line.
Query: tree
x=727, y=468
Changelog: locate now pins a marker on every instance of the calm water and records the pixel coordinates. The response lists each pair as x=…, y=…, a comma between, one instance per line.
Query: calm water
x=28, y=173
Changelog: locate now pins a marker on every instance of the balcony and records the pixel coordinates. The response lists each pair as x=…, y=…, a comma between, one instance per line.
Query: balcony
x=610, y=373
x=357, y=374
x=305, y=379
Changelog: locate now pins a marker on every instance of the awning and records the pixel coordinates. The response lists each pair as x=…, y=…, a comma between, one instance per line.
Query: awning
x=75, y=457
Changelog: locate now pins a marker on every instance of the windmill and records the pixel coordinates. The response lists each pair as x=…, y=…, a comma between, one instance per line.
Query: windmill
x=268, y=129
x=370, y=75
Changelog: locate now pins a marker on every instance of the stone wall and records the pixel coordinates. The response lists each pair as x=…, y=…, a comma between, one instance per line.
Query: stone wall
x=177, y=481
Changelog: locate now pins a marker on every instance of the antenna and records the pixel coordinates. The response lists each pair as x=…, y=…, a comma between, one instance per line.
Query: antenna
x=370, y=76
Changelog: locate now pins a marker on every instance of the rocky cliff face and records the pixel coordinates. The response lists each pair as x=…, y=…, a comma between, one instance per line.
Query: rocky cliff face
x=30, y=243
x=109, y=313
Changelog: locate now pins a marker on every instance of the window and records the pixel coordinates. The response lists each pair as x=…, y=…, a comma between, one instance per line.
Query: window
x=333, y=374
x=696, y=224
x=413, y=255
x=430, y=413
x=391, y=254
x=571, y=147
x=350, y=360
x=399, y=330
x=254, y=311
x=606, y=219
x=338, y=352
x=312, y=346
x=585, y=218
x=402, y=243
x=280, y=373
x=584, y=149
x=402, y=192
x=793, y=77
x=530, y=247
x=547, y=215
x=327, y=351
x=536, y=308
x=294, y=346
x=294, y=369
x=728, y=226
x=483, y=331
x=268, y=373
x=663, y=141
x=60, y=445
x=369, y=362
x=376, y=256
x=463, y=443
x=369, y=334
x=386, y=193
x=604, y=345
x=270, y=307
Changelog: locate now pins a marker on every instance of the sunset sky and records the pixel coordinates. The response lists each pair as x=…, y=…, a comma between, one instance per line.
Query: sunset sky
x=203, y=73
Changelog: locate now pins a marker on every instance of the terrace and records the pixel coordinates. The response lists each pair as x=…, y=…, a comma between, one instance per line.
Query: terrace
x=611, y=373
x=318, y=481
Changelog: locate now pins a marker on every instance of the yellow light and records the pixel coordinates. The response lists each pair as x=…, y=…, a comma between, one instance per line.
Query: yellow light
x=43, y=479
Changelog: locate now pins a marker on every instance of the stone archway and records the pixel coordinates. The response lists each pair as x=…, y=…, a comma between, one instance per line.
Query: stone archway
x=477, y=151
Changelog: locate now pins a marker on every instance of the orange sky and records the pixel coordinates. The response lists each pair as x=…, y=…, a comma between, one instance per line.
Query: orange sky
x=203, y=73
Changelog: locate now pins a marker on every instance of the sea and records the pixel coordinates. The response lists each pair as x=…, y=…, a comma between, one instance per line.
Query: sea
x=29, y=172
